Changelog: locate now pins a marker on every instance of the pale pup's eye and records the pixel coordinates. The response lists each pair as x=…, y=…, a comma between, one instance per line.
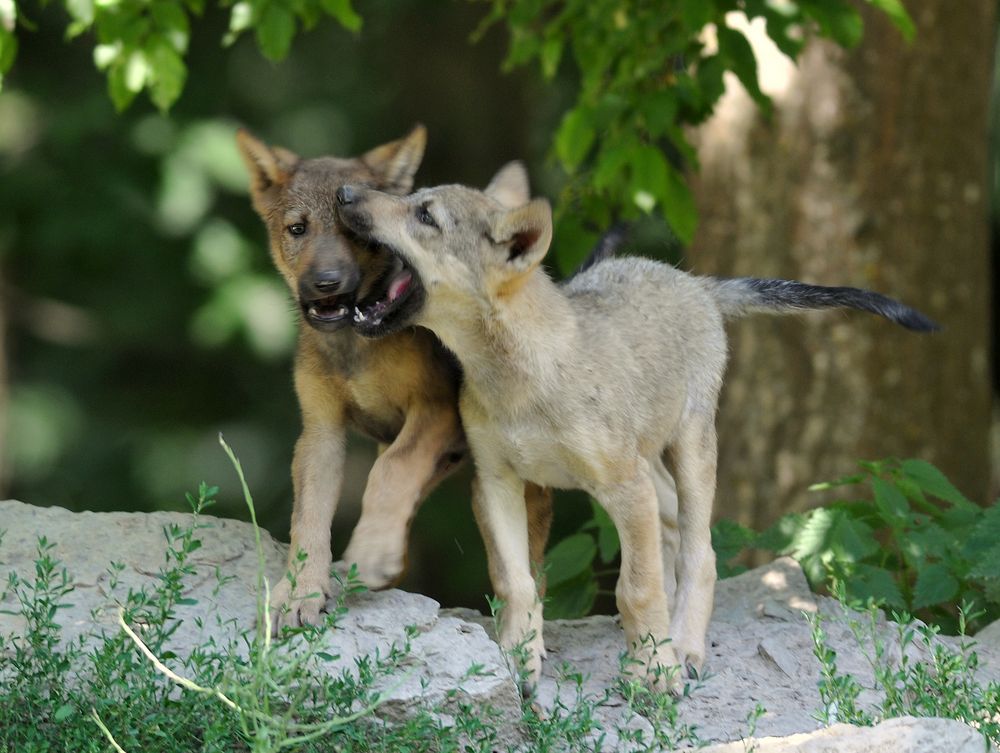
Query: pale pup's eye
x=424, y=217
x=298, y=228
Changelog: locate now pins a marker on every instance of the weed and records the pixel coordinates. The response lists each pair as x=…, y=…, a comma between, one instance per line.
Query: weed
x=916, y=674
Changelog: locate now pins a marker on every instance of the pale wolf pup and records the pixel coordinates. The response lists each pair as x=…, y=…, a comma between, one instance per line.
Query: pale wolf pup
x=584, y=386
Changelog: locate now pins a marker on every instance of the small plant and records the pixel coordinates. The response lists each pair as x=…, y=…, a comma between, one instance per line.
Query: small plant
x=914, y=543
x=571, y=573
x=917, y=674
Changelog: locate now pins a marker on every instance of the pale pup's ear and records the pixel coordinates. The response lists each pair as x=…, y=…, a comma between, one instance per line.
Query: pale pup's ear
x=510, y=186
x=524, y=233
x=269, y=166
x=396, y=163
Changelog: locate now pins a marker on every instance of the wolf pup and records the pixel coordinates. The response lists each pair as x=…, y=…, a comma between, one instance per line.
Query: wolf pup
x=401, y=390
x=584, y=386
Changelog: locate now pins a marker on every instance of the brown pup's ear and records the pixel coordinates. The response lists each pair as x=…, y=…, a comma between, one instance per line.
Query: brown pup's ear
x=396, y=163
x=524, y=234
x=270, y=167
x=510, y=186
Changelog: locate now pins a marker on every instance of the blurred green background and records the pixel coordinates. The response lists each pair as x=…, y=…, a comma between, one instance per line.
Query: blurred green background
x=142, y=314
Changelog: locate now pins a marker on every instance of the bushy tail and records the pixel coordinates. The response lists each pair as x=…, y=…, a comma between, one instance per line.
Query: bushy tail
x=739, y=296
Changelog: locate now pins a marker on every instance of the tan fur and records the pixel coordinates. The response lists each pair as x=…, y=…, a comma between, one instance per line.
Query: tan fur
x=562, y=389
x=589, y=385
x=401, y=390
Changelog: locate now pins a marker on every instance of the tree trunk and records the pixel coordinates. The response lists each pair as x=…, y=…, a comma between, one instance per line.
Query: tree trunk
x=872, y=172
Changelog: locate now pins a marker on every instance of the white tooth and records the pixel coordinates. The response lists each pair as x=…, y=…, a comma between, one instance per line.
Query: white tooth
x=359, y=315
x=312, y=311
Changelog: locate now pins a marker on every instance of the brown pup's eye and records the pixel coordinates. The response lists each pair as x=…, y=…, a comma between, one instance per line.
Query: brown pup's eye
x=424, y=217
x=299, y=228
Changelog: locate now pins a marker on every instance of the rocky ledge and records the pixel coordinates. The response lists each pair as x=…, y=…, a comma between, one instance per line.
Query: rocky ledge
x=761, y=644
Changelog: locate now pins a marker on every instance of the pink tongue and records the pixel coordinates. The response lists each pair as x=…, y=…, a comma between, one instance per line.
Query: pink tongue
x=398, y=285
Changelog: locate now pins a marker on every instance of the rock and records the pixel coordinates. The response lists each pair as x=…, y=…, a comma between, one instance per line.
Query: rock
x=442, y=652
x=903, y=735
x=761, y=650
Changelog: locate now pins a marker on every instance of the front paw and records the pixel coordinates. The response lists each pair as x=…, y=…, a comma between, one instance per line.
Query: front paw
x=656, y=666
x=525, y=660
x=300, y=607
x=379, y=566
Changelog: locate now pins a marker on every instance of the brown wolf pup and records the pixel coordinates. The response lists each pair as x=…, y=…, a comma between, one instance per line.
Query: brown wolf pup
x=401, y=390
x=583, y=386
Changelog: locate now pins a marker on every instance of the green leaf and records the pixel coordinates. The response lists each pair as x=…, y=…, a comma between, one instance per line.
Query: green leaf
x=891, y=502
x=168, y=15
x=935, y=584
x=574, y=138
x=729, y=539
x=780, y=536
x=64, y=712
x=928, y=540
x=813, y=536
x=649, y=176
x=898, y=15
x=168, y=74
x=570, y=557
x=571, y=599
x=608, y=544
x=696, y=14
x=551, y=54
x=275, y=30
x=852, y=540
x=678, y=206
x=836, y=20
x=933, y=482
x=869, y=582
x=985, y=534
x=842, y=481
x=988, y=564
x=344, y=12
x=8, y=50
x=121, y=95
x=737, y=50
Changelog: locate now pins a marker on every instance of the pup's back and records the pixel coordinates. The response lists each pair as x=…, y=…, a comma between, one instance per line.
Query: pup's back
x=656, y=328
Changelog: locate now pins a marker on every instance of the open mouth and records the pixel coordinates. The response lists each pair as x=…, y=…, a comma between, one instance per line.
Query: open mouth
x=391, y=300
x=328, y=313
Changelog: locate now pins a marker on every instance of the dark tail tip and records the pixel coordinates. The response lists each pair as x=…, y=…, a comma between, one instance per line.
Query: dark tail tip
x=914, y=320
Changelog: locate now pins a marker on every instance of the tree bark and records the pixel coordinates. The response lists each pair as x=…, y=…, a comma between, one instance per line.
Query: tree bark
x=872, y=172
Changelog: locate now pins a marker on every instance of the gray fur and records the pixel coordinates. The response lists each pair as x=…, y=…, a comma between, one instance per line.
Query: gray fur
x=587, y=385
x=739, y=296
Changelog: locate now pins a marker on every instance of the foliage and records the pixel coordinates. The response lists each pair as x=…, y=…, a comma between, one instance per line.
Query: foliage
x=915, y=672
x=251, y=692
x=142, y=45
x=914, y=543
x=570, y=576
x=646, y=71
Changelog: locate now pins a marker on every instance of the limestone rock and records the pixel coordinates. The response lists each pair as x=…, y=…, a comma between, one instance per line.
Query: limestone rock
x=903, y=735
x=760, y=645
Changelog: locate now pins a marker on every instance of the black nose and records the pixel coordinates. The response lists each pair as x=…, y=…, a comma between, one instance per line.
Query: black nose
x=327, y=281
x=345, y=195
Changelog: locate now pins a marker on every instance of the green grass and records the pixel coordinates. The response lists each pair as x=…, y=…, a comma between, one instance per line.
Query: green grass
x=126, y=690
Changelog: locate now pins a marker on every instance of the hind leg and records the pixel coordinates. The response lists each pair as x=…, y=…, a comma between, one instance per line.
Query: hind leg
x=694, y=455
x=666, y=497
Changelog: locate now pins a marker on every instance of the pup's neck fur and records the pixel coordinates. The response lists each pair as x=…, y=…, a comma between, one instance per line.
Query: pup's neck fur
x=501, y=348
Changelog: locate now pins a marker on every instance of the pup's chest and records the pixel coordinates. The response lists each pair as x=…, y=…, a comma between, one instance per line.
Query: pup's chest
x=543, y=455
